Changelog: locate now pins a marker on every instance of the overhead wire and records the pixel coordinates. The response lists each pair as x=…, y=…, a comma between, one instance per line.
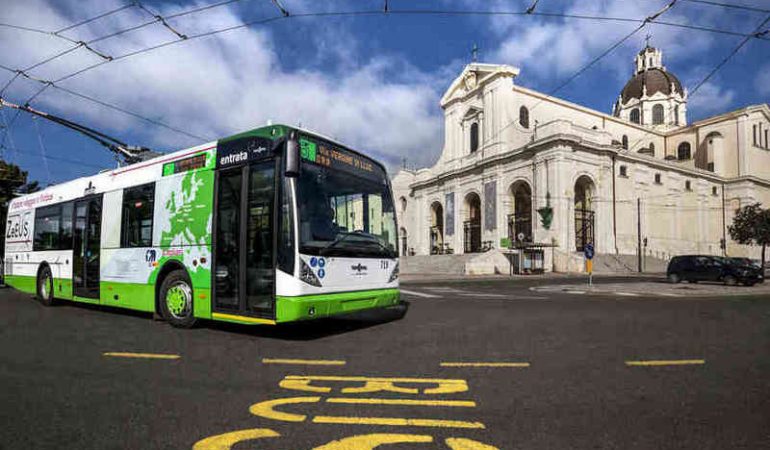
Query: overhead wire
x=47, y=84
x=729, y=5
x=8, y=133
x=285, y=14
x=729, y=56
x=42, y=150
x=91, y=19
x=160, y=19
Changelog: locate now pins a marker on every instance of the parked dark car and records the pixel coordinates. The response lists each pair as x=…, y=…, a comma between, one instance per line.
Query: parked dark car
x=695, y=268
x=751, y=263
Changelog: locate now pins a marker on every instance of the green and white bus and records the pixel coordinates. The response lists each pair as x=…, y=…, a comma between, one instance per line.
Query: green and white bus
x=269, y=226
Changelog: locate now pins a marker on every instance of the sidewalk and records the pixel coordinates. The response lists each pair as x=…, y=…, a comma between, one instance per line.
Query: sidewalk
x=657, y=289
x=416, y=278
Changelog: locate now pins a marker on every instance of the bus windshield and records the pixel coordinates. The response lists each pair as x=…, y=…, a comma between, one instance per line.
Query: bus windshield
x=341, y=214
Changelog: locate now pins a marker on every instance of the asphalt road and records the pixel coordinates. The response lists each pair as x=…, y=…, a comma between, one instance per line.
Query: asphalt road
x=560, y=374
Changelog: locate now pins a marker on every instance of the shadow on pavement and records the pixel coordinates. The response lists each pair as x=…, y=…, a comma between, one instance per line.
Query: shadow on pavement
x=313, y=329
x=294, y=331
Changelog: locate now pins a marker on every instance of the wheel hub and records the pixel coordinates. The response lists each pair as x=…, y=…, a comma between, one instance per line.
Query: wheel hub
x=178, y=299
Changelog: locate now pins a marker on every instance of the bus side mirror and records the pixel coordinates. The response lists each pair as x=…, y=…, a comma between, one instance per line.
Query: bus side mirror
x=292, y=155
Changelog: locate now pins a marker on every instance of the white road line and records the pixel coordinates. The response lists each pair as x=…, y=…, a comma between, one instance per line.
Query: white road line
x=442, y=289
x=418, y=294
x=477, y=294
x=627, y=294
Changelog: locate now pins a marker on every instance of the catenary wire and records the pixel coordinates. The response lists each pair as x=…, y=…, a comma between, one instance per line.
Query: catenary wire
x=351, y=13
x=728, y=57
x=42, y=149
x=91, y=19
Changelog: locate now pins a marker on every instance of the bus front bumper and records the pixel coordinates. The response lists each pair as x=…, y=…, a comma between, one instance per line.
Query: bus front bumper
x=290, y=309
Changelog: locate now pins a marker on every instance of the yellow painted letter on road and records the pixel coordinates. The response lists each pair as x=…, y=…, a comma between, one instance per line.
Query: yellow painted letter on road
x=266, y=409
x=226, y=441
x=467, y=444
x=371, y=441
x=376, y=384
x=302, y=384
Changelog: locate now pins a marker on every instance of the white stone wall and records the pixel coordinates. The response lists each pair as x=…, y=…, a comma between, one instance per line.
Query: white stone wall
x=565, y=142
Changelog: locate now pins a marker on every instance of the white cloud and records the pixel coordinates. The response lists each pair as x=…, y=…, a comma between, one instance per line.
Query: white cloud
x=710, y=98
x=554, y=48
x=231, y=82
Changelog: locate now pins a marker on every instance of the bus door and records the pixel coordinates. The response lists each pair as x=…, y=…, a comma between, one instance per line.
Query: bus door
x=244, y=240
x=86, y=235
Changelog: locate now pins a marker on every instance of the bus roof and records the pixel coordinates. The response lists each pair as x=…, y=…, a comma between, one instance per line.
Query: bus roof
x=135, y=174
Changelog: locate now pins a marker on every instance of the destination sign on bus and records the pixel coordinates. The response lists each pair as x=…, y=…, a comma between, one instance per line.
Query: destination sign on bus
x=333, y=157
x=183, y=165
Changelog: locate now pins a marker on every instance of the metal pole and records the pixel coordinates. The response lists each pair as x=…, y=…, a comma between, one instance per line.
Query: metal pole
x=639, y=232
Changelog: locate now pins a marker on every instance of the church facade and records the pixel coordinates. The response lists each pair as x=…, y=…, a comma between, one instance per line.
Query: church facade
x=522, y=170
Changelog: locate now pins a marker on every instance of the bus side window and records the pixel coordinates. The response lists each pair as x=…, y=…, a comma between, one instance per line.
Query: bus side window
x=65, y=237
x=47, y=222
x=136, y=220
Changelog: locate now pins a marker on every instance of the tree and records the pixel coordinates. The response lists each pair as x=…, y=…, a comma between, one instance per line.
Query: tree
x=751, y=226
x=13, y=182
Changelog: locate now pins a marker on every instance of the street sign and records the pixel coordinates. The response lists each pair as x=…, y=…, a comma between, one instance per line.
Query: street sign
x=588, y=251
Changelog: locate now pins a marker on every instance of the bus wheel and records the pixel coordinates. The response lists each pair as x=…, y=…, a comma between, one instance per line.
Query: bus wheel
x=176, y=300
x=45, y=287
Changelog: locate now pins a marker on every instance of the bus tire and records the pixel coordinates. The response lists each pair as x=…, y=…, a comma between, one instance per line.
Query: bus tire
x=45, y=287
x=176, y=300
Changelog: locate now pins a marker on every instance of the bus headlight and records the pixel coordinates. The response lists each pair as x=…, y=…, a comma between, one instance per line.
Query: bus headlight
x=394, y=274
x=306, y=274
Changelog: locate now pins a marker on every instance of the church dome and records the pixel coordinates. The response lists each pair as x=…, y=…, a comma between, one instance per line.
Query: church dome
x=656, y=80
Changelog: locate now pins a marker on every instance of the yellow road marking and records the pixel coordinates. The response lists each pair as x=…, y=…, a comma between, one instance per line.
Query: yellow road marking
x=242, y=319
x=397, y=422
x=484, y=364
x=376, y=384
x=307, y=362
x=372, y=441
x=266, y=409
x=399, y=401
x=141, y=355
x=226, y=441
x=672, y=362
x=359, y=378
x=467, y=444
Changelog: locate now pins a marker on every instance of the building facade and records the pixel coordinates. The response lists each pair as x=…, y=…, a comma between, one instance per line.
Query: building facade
x=522, y=169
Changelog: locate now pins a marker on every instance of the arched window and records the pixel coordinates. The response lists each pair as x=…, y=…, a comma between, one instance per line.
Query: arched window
x=524, y=117
x=657, y=114
x=635, y=117
x=474, y=137
x=683, y=151
x=676, y=114
x=403, y=204
x=623, y=171
x=652, y=148
x=624, y=141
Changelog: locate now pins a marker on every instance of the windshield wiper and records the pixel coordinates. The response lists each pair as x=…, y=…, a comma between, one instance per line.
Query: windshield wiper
x=372, y=238
x=335, y=242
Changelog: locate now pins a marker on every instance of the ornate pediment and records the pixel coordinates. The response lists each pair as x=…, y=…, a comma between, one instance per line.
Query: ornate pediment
x=473, y=77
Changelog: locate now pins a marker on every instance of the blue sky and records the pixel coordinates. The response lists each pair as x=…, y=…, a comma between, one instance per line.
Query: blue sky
x=373, y=81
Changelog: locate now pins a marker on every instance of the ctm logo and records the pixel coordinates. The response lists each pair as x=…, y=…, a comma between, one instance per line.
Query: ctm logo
x=358, y=268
